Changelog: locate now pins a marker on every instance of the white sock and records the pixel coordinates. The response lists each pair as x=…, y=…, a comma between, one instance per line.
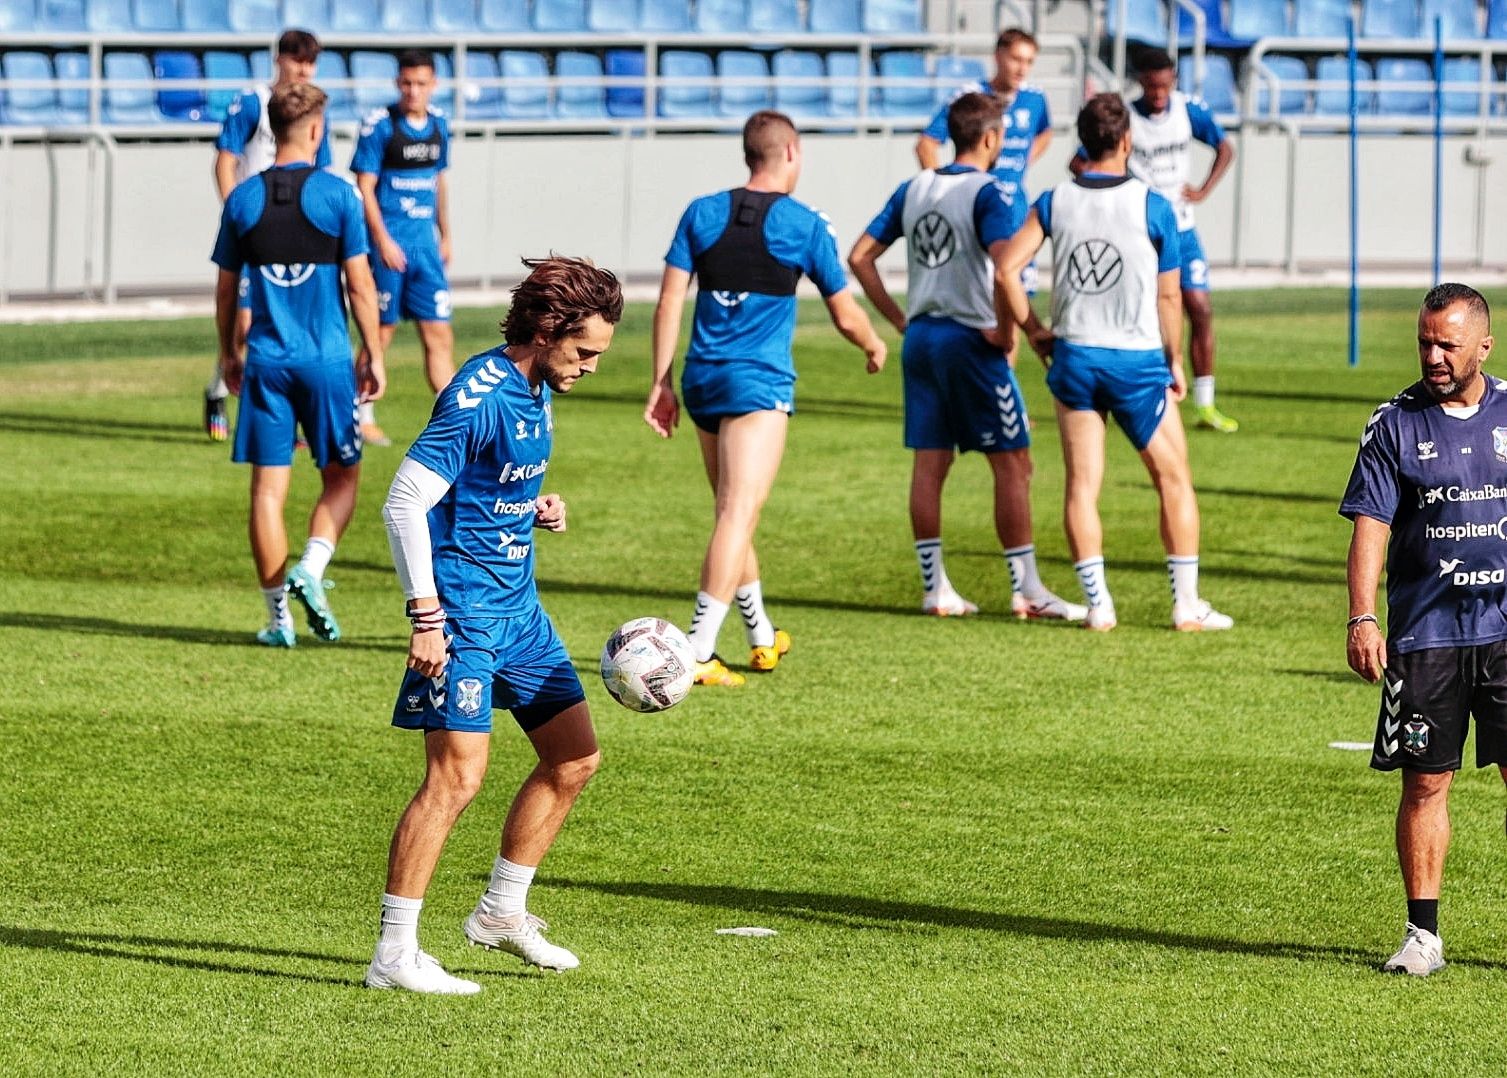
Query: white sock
x=933, y=575
x=1024, y=579
x=1095, y=588
x=1203, y=391
x=316, y=556
x=366, y=414
x=277, y=605
x=215, y=388
x=507, y=891
x=706, y=623
x=756, y=623
x=1182, y=574
x=400, y=927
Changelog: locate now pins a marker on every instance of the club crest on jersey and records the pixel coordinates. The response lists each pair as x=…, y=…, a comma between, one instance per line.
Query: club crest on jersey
x=287, y=275
x=1415, y=736
x=1499, y=443
x=468, y=695
x=933, y=241
x=1094, y=266
x=1426, y=450
x=1022, y=117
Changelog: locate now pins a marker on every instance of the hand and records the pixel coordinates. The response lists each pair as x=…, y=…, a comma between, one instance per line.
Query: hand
x=1366, y=650
x=392, y=255
x=996, y=337
x=427, y=652
x=1179, y=379
x=371, y=375
x=445, y=250
x=232, y=369
x=877, y=353
x=899, y=323
x=549, y=512
x=1193, y=195
x=1042, y=342
x=662, y=412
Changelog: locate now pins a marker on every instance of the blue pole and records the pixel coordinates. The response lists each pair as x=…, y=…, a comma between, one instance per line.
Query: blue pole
x=1438, y=143
x=1354, y=200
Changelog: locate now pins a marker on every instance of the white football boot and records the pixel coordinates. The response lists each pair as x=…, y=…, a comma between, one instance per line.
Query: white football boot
x=417, y=972
x=519, y=935
x=1421, y=953
x=1199, y=617
x=1047, y=607
x=946, y=603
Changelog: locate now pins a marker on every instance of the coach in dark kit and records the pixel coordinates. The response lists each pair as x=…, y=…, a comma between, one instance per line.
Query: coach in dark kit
x=1429, y=496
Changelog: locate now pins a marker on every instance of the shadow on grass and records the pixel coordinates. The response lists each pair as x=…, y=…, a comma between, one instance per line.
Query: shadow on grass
x=1331, y=500
x=553, y=586
x=850, y=910
x=1305, y=398
x=1343, y=677
x=183, y=634
x=93, y=426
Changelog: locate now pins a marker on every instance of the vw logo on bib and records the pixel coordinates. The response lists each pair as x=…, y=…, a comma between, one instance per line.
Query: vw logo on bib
x=1094, y=266
x=289, y=275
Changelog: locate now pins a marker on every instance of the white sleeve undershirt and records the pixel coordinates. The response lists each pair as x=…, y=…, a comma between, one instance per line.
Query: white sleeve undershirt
x=415, y=490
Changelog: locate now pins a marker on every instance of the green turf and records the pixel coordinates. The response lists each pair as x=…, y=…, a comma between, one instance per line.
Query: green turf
x=986, y=846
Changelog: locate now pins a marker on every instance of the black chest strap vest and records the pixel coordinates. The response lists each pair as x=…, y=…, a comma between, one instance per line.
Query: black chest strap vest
x=740, y=260
x=284, y=235
x=404, y=151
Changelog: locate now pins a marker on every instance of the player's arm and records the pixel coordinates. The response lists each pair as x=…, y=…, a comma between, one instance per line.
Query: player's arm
x=853, y=323
x=224, y=172
x=232, y=363
x=862, y=260
x=1012, y=307
x=1039, y=146
x=415, y=490
x=662, y=411
x=1002, y=336
x=387, y=248
x=1224, y=155
x=928, y=151
x=1169, y=316
x=442, y=214
x=1365, y=647
x=361, y=290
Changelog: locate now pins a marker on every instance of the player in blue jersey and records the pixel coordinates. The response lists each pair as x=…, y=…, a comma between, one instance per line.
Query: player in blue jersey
x=461, y=517
x=1428, y=498
x=1115, y=345
x=960, y=390
x=747, y=249
x=401, y=164
x=244, y=148
x=295, y=228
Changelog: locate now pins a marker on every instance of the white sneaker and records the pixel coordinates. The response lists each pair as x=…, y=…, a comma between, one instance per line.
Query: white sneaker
x=417, y=972
x=1099, y=619
x=1047, y=606
x=519, y=935
x=1199, y=618
x=947, y=603
x=1421, y=953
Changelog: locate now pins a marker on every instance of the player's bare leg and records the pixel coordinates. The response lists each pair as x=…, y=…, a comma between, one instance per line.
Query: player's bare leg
x=438, y=340
x=216, y=392
x=1029, y=597
x=1200, y=313
x=269, y=549
x=327, y=523
x=928, y=475
x=1082, y=435
x=1423, y=833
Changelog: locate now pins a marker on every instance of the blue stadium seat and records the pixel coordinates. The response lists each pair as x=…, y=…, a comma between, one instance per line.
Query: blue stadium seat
x=37, y=106
x=842, y=95
x=797, y=100
x=378, y=70
x=224, y=65
x=774, y=17
x=128, y=104
x=1251, y=20
x=255, y=16
x=73, y=104
x=1219, y=82
x=444, y=74
x=1464, y=73
x=665, y=16
x=454, y=16
x=955, y=71
x=582, y=102
x=109, y=16
x=1335, y=101
x=612, y=16
x=1288, y=69
x=405, y=16
x=311, y=15
x=1215, y=34
x=261, y=65
x=185, y=105
x=911, y=100
x=1390, y=18
x=1322, y=18
x=833, y=16
x=722, y=16
x=18, y=14
x=1390, y=102
x=206, y=16
x=524, y=95
x=156, y=16
x=1145, y=21
x=1459, y=19
x=64, y=15
x=891, y=17
x=482, y=102
x=625, y=100
x=1496, y=20
x=356, y=16
x=504, y=16
x=688, y=98
x=330, y=68
x=746, y=99
x=560, y=16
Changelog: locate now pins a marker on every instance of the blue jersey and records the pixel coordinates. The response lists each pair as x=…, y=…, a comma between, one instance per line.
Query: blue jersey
x=407, y=161
x=490, y=437
x=297, y=304
x=1025, y=117
x=247, y=134
x=1440, y=483
x=747, y=265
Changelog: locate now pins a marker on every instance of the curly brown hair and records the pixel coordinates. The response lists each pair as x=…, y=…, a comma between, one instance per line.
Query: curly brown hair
x=558, y=295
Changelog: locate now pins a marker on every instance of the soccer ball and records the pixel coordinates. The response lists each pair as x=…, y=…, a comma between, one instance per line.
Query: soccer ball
x=648, y=665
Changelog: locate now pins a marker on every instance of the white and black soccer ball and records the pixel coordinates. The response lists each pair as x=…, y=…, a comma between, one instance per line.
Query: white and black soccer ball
x=648, y=665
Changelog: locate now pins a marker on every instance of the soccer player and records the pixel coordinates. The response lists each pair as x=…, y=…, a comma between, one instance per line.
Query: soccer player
x=747, y=248
x=400, y=165
x=960, y=391
x=1115, y=345
x=1427, y=498
x=460, y=519
x=294, y=228
x=245, y=147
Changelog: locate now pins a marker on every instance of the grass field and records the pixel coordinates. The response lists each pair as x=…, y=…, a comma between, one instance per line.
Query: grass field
x=986, y=846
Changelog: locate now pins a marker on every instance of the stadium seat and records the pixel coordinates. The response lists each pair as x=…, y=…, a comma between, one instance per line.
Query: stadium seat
x=109, y=16
x=580, y=102
x=128, y=104
x=504, y=16
x=1322, y=18
x=612, y=16
x=405, y=16
x=905, y=100
x=955, y=71
x=722, y=16
x=1288, y=70
x=1145, y=21
x=678, y=100
x=311, y=15
x=1496, y=20
x=64, y=15
x=261, y=65
x=1219, y=82
x=354, y=16
x=38, y=106
x=842, y=95
x=444, y=74
x=255, y=16
x=330, y=69
x=745, y=99
x=625, y=100
x=482, y=102
x=560, y=16
x=1464, y=73
x=1251, y=20
x=186, y=105
x=224, y=65
x=799, y=100
x=1334, y=100
x=1390, y=102
x=206, y=16
x=665, y=16
x=156, y=16
x=774, y=17
x=454, y=16
x=376, y=72
x=1391, y=18
x=891, y=17
x=18, y=15
x=833, y=16
x=525, y=94
x=1459, y=19
x=73, y=102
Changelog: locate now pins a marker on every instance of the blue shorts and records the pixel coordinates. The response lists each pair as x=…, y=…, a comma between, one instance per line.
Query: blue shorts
x=1132, y=385
x=320, y=398
x=420, y=293
x=1195, y=275
x=515, y=663
x=243, y=290
x=716, y=391
x=959, y=390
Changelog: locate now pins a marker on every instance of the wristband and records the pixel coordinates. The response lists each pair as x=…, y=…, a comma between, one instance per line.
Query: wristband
x=424, y=621
x=1360, y=618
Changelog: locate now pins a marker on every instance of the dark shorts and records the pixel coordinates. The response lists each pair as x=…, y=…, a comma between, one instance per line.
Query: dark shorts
x=319, y=397
x=717, y=391
x=959, y=391
x=1427, y=700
